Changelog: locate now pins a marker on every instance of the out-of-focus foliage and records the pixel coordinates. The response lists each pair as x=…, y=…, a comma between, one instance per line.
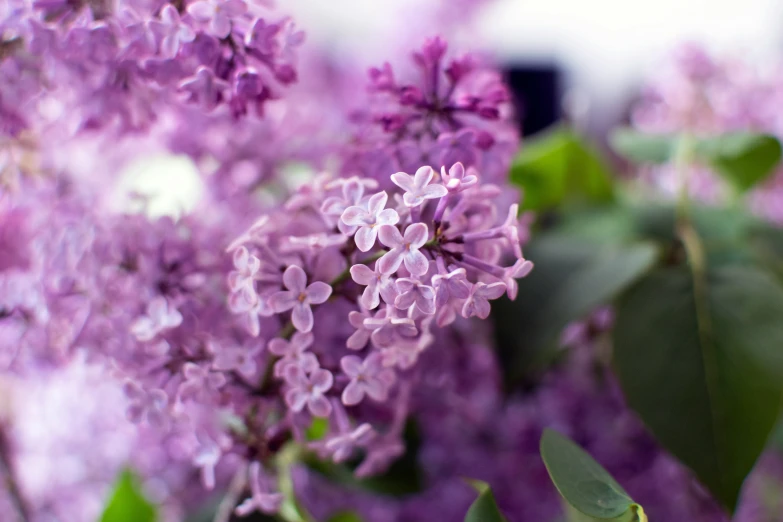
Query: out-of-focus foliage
x=127, y=502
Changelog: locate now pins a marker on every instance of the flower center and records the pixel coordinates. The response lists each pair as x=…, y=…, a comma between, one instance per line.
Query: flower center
x=302, y=297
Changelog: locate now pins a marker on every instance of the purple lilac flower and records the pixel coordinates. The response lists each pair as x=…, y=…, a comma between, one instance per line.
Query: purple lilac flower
x=308, y=390
x=299, y=297
x=262, y=498
x=404, y=249
x=369, y=219
x=368, y=377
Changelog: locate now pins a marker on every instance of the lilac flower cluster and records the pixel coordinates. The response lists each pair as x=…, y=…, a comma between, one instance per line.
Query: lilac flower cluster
x=456, y=110
x=101, y=63
x=393, y=274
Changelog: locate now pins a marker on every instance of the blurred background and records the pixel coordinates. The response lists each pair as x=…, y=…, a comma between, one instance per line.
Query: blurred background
x=592, y=55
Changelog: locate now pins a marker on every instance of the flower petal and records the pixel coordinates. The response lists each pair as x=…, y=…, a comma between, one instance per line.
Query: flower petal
x=353, y=394
x=416, y=234
x=319, y=406
x=390, y=236
x=422, y=177
x=365, y=238
x=416, y=262
x=281, y=301
x=362, y=274
x=391, y=261
x=351, y=365
x=302, y=317
x=318, y=292
x=355, y=216
x=295, y=279
x=377, y=202
x=321, y=380
x=404, y=181
x=296, y=399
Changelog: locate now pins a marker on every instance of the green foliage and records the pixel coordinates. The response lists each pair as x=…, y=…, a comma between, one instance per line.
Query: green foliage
x=643, y=148
x=559, y=166
x=345, y=516
x=318, y=429
x=742, y=158
x=699, y=358
x=127, y=502
x=574, y=275
x=484, y=508
x=587, y=487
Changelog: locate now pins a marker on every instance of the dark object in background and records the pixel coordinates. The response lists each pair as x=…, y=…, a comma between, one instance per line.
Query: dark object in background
x=536, y=91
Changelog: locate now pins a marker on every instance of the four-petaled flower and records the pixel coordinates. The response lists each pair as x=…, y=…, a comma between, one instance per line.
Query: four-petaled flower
x=299, y=297
x=247, y=266
x=387, y=327
x=452, y=285
x=368, y=377
x=413, y=292
x=218, y=13
x=359, y=338
x=294, y=353
x=369, y=219
x=261, y=497
x=417, y=188
x=240, y=359
x=160, y=316
x=510, y=275
x=377, y=284
x=456, y=180
x=199, y=381
x=478, y=302
x=145, y=404
x=404, y=249
x=304, y=390
x=172, y=31
x=204, y=88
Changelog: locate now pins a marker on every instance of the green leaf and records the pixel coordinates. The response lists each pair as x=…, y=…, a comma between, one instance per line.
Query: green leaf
x=317, y=429
x=345, y=516
x=743, y=158
x=699, y=358
x=640, y=147
x=557, y=166
x=127, y=503
x=484, y=508
x=572, y=278
x=582, y=481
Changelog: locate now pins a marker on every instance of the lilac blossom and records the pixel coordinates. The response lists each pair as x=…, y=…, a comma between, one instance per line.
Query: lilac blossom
x=299, y=297
x=262, y=498
x=218, y=13
x=417, y=188
x=172, y=31
x=308, y=390
x=404, y=249
x=368, y=377
x=414, y=293
x=294, y=353
x=376, y=284
x=368, y=220
x=160, y=317
x=478, y=302
x=198, y=380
